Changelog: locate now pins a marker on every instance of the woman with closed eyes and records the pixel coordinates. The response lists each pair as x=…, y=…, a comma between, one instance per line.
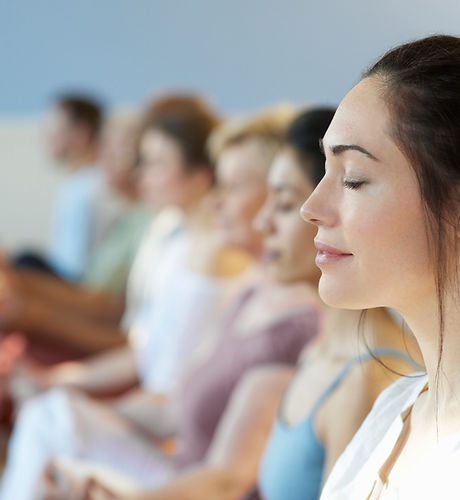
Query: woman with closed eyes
x=387, y=218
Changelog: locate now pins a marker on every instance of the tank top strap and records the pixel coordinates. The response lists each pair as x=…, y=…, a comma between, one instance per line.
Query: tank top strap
x=379, y=351
x=394, y=353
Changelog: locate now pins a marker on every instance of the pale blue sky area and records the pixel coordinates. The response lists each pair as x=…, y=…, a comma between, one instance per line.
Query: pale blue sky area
x=244, y=54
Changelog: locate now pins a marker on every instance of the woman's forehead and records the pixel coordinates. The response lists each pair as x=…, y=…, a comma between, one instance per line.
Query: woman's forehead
x=287, y=175
x=362, y=118
x=240, y=160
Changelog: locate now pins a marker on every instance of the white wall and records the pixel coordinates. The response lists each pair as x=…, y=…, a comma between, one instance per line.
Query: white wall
x=28, y=184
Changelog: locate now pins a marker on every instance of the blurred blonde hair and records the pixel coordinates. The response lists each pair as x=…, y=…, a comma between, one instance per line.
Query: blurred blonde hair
x=266, y=128
x=124, y=117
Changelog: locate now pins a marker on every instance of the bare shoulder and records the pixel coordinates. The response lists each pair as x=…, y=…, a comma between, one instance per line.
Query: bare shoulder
x=352, y=394
x=258, y=395
x=244, y=428
x=343, y=412
x=362, y=385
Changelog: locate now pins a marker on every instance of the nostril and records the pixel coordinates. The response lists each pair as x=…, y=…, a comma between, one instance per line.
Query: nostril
x=306, y=214
x=309, y=212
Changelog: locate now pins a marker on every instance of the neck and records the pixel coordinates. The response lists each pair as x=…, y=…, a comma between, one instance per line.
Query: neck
x=346, y=335
x=196, y=217
x=443, y=376
x=340, y=332
x=130, y=192
x=82, y=159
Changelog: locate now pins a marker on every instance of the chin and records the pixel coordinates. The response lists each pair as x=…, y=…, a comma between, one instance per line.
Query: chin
x=340, y=296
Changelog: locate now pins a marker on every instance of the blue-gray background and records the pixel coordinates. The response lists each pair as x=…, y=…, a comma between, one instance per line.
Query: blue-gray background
x=243, y=53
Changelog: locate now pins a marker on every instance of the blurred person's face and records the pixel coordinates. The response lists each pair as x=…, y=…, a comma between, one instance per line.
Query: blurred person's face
x=165, y=180
x=58, y=134
x=241, y=179
x=118, y=154
x=289, y=250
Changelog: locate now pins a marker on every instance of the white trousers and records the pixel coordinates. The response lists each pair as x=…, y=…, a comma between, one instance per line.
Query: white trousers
x=63, y=422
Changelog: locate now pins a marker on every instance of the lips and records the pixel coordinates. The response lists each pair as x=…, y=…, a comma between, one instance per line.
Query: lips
x=329, y=255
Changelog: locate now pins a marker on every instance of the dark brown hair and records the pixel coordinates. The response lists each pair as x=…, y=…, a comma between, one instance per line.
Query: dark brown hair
x=304, y=135
x=83, y=111
x=189, y=121
x=421, y=86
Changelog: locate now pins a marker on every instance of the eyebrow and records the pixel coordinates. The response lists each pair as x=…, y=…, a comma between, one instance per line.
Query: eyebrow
x=342, y=148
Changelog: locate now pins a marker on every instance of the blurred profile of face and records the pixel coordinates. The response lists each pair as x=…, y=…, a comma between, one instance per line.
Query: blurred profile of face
x=289, y=250
x=58, y=133
x=241, y=180
x=165, y=180
x=118, y=153
x=371, y=233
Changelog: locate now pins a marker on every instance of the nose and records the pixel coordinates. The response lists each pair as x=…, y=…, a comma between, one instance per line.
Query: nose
x=263, y=221
x=316, y=209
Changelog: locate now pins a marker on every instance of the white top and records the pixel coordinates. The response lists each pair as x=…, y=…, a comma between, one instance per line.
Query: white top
x=170, y=323
x=147, y=259
x=169, y=307
x=355, y=473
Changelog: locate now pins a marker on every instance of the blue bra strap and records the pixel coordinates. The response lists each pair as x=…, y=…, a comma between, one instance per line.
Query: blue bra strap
x=379, y=351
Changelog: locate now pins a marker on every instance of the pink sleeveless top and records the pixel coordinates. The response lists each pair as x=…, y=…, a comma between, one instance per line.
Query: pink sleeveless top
x=204, y=394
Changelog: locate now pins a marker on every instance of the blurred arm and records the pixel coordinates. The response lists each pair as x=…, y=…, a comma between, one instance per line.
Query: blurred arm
x=84, y=300
x=231, y=467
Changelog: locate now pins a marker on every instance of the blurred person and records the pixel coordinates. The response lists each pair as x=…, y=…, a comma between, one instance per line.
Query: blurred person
x=61, y=320
x=84, y=209
x=175, y=130
x=245, y=328
x=178, y=159
x=108, y=268
x=40, y=305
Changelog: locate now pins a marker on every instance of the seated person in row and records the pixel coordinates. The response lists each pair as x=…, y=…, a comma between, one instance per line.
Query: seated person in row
x=84, y=317
x=84, y=208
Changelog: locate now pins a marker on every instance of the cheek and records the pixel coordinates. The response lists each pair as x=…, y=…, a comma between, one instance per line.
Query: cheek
x=145, y=182
x=159, y=187
x=395, y=231
x=58, y=142
x=294, y=238
x=391, y=252
x=251, y=208
x=169, y=184
x=243, y=208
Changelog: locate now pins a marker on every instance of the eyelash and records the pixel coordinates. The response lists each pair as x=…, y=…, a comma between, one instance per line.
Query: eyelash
x=353, y=184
